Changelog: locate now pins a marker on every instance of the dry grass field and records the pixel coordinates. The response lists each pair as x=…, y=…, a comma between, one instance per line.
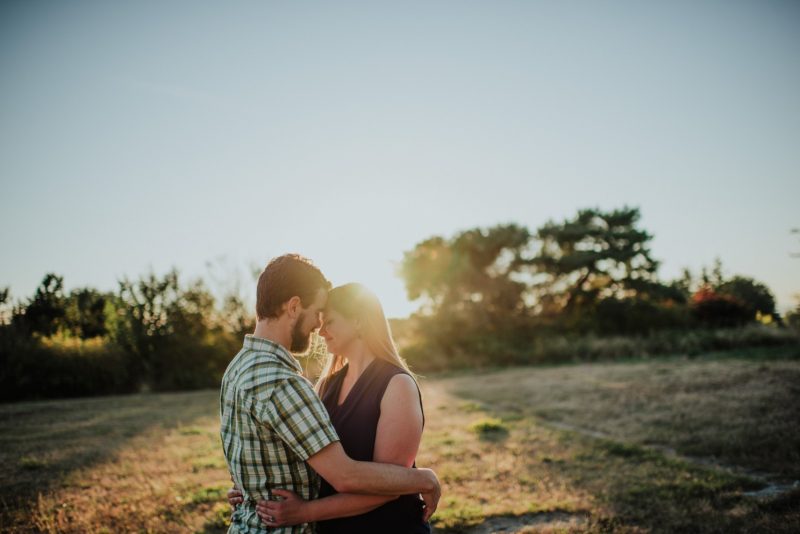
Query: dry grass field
x=710, y=444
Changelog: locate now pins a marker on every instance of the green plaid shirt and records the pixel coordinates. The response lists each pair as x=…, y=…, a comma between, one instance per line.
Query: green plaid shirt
x=272, y=421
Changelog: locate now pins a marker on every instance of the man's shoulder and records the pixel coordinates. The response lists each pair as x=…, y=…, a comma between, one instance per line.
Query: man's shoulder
x=258, y=363
x=294, y=385
x=257, y=371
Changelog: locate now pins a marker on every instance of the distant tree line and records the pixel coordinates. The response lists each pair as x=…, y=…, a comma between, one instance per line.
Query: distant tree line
x=583, y=288
x=491, y=295
x=152, y=334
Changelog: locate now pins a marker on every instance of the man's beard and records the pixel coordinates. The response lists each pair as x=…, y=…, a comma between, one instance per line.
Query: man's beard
x=300, y=341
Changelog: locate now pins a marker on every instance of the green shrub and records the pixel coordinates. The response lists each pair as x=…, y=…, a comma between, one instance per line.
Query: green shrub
x=49, y=368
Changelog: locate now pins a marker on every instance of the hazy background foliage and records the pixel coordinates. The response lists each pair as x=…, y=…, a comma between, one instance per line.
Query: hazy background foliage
x=585, y=288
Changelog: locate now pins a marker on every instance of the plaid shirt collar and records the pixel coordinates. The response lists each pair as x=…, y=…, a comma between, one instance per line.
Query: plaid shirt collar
x=261, y=344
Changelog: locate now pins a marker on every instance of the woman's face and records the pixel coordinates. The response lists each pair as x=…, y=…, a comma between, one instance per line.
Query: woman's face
x=338, y=331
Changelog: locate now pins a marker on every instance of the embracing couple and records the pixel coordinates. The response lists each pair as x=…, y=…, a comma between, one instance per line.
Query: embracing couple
x=358, y=428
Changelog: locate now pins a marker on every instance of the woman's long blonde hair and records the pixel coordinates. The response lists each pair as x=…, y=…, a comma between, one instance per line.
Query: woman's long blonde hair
x=355, y=302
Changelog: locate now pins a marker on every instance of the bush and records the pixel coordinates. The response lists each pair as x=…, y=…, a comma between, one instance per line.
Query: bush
x=563, y=348
x=45, y=368
x=636, y=316
x=184, y=364
x=713, y=309
x=157, y=334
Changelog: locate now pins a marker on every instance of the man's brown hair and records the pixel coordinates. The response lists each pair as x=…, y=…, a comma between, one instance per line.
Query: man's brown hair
x=284, y=277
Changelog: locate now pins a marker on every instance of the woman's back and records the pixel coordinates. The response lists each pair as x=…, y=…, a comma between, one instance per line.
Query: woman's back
x=356, y=422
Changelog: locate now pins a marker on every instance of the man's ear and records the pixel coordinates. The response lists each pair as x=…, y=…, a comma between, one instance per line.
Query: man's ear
x=293, y=307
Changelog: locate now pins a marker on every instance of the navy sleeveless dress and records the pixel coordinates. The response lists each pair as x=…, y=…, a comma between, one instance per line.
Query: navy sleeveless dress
x=356, y=422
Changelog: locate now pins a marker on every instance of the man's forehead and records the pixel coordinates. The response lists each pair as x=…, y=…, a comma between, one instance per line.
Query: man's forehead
x=322, y=298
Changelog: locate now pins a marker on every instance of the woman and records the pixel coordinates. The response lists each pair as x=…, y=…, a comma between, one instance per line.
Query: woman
x=376, y=407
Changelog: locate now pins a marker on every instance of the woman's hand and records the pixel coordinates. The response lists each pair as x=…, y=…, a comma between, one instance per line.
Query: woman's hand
x=292, y=510
x=235, y=497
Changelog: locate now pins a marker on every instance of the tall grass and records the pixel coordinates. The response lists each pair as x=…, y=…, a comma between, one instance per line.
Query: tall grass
x=491, y=352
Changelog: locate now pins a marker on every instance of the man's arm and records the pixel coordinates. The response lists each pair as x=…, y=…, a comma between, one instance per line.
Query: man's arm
x=350, y=476
x=397, y=441
x=293, y=510
x=345, y=505
x=299, y=417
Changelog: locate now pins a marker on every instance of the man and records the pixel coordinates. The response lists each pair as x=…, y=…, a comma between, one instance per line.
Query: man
x=275, y=431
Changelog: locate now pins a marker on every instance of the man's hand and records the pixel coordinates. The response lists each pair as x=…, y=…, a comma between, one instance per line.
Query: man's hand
x=290, y=511
x=235, y=497
x=431, y=498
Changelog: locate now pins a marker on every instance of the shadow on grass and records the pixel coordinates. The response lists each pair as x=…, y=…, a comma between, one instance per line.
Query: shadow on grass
x=43, y=442
x=559, y=520
x=218, y=522
x=637, y=487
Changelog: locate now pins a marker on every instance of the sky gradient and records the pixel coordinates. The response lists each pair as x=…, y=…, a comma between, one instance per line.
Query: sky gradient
x=145, y=135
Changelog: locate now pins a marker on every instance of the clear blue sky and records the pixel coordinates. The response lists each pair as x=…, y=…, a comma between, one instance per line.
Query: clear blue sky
x=144, y=135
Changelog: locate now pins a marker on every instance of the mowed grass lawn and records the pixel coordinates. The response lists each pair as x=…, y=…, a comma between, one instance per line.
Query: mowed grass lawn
x=666, y=445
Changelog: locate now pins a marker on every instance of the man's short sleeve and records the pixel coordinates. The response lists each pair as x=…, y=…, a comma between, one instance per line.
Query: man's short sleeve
x=297, y=415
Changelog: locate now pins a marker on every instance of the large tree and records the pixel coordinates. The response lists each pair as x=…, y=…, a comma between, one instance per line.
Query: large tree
x=755, y=296
x=472, y=291
x=477, y=268
x=594, y=255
